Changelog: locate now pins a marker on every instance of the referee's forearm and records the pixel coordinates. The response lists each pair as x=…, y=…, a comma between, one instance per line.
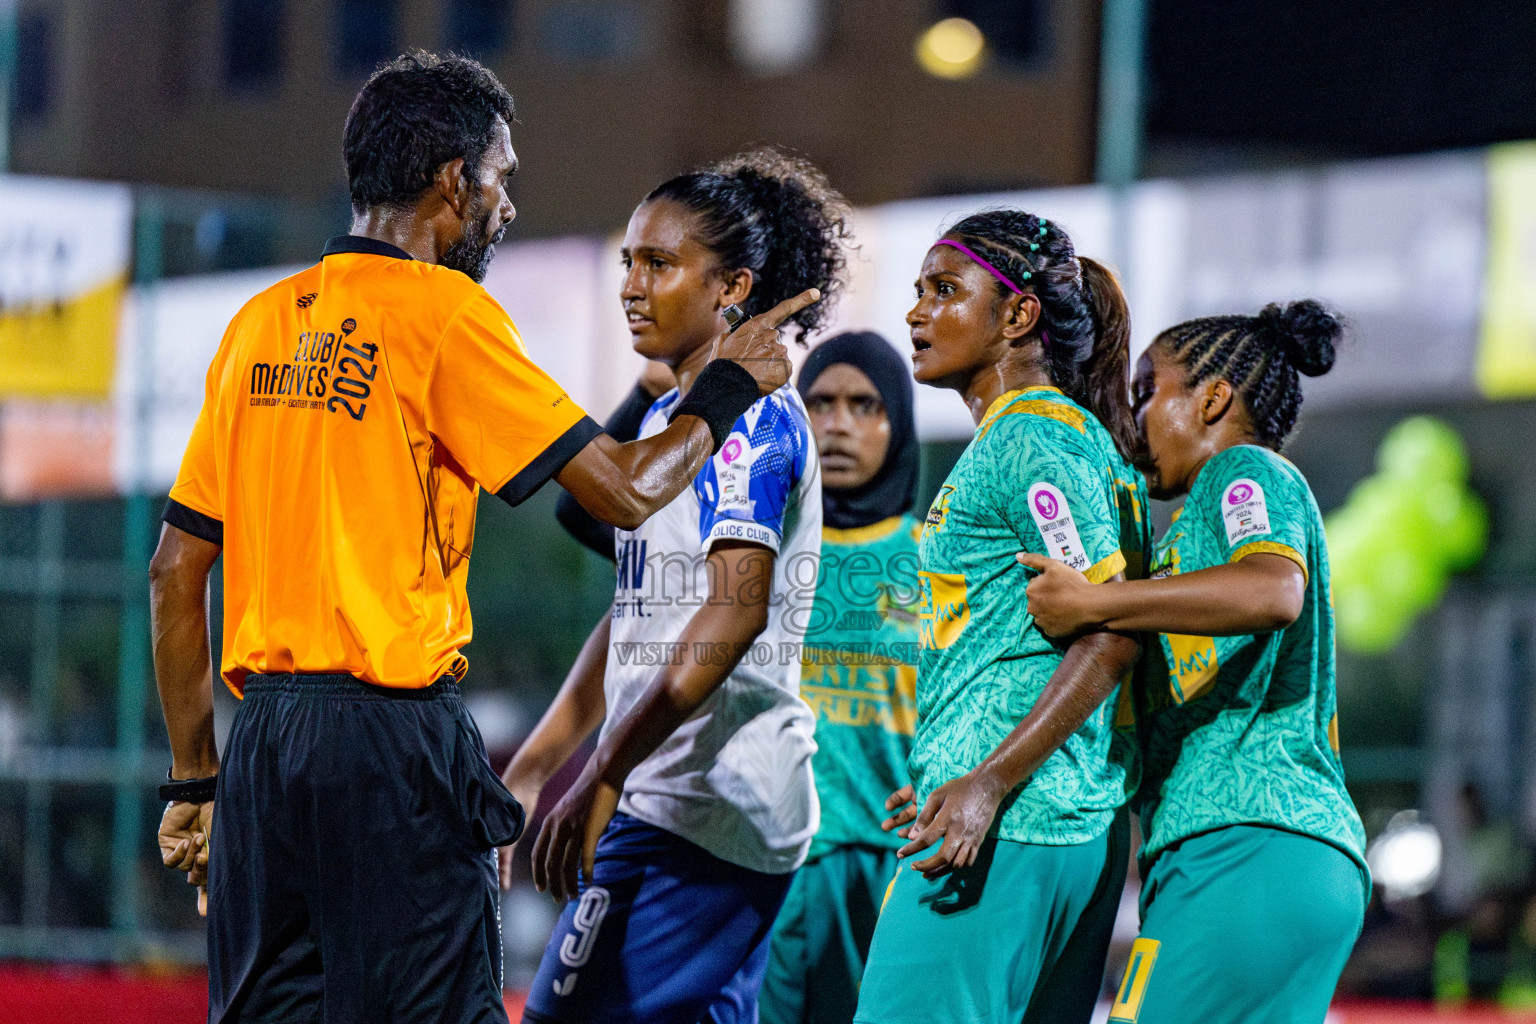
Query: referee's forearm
x=623, y=485
x=178, y=611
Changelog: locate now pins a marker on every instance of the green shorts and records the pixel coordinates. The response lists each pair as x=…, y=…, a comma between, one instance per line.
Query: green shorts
x=1019, y=935
x=821, y=937
x=1244, y=924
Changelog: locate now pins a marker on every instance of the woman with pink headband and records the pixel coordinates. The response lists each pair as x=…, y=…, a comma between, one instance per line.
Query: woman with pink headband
x=1019, y=776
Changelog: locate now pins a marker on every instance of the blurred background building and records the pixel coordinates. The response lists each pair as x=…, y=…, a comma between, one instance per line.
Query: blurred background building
x=169, y=159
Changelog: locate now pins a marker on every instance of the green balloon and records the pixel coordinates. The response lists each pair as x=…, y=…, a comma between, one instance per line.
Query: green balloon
x=1466, y=535
x=1425, y=449
x=1382, y=500
x=1409, y=580
x=1366, y=623
x=1393, y=544
x=1442, y=503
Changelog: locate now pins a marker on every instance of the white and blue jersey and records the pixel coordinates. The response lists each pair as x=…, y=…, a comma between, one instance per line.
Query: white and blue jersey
x=735, y=778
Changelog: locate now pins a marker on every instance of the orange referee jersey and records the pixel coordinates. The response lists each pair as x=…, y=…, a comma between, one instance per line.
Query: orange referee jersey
x=352, y=414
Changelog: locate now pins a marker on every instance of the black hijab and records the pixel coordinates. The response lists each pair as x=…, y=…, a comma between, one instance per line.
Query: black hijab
x=891, y=490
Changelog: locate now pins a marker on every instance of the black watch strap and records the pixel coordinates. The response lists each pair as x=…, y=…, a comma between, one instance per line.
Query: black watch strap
x=191, y=791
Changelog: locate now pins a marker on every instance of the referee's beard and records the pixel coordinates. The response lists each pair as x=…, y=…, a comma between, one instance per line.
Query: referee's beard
x=473, y=253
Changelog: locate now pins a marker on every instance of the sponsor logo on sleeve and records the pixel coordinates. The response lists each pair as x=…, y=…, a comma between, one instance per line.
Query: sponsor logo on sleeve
x=1057, y=530
x=1243, y=511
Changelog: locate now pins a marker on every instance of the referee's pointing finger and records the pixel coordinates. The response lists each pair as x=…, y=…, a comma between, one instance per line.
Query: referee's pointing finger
x=776, y=316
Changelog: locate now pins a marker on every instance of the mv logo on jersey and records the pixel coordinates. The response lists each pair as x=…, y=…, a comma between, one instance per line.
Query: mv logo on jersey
x=945, y=610
x=1048, y=506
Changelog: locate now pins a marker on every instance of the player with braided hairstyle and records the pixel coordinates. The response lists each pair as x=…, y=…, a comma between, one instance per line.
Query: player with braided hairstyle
x=1261, y=356
x=676, y=845
x=1253, y=861
x=1016, y=763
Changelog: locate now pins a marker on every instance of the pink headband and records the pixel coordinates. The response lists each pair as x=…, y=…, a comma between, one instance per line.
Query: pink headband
x=990, y=268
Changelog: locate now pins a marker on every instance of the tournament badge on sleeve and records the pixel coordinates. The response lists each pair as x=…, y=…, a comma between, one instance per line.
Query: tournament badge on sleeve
x=1054, y=520
x=1243, y=511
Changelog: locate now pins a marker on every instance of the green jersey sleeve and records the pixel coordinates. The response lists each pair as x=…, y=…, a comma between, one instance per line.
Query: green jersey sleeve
x=1256, y=503
x=1055, y=491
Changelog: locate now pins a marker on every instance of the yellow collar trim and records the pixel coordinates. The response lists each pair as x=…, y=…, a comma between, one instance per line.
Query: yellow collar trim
x=1007, y=397
x=861, y=534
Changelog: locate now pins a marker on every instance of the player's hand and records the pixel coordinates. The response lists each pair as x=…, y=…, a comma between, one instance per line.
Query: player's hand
x=960, y=812
x=901, y=799
x=525, y=793
x=569, y=837
x=1060, y=597
x=756, y=345
x=183, y=841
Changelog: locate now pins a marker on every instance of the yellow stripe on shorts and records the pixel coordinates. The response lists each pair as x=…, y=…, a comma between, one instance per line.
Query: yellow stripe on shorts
x=890, y=889
x=1138, y=972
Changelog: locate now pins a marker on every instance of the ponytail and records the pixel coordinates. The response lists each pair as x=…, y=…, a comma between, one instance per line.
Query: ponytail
x=1106, y=372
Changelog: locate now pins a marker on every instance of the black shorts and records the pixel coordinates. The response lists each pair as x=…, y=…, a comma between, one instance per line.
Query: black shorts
x=352, y=866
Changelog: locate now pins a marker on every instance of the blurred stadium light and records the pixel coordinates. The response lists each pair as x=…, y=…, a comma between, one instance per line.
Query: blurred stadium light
x=775, y=36
x=952, y=48
x=1405, y=858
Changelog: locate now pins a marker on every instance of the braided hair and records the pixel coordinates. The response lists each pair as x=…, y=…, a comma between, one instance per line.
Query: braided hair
x=775, y=215
x=1260, y=356
x=1085, y=324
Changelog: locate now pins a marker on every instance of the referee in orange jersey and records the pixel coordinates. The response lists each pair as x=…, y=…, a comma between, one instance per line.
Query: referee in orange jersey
x=346, y=843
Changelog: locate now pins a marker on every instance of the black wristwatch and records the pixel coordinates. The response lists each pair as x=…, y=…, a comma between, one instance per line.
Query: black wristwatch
x=191, y=791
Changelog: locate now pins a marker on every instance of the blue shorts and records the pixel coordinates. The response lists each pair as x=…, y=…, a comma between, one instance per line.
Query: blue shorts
x=666, y=933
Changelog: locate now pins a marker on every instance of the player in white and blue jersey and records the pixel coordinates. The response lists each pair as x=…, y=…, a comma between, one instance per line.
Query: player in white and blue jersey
x=676, y=845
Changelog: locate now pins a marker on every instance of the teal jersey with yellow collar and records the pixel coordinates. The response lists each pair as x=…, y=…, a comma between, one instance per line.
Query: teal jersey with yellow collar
x=1040, y=476
x=1244, y=729
x=859, y=675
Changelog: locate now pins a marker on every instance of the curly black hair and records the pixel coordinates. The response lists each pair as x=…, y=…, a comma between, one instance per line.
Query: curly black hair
x=1260, y=356
x=776, y=215
x=1085, y=324
x=415, y=114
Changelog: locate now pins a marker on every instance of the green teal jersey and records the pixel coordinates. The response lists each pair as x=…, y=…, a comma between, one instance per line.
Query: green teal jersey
x=859, y=675
x=1039, y=475
x=1244, y=729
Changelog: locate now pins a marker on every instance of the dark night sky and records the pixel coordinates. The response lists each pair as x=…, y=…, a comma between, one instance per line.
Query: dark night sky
x=1343, y=78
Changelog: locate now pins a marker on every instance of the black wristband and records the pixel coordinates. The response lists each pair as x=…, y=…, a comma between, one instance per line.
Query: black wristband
x=191, y=791
x=719, y=397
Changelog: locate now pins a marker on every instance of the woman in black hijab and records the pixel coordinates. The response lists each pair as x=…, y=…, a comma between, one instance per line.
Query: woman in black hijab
x=858, y=673
x=889, y=490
